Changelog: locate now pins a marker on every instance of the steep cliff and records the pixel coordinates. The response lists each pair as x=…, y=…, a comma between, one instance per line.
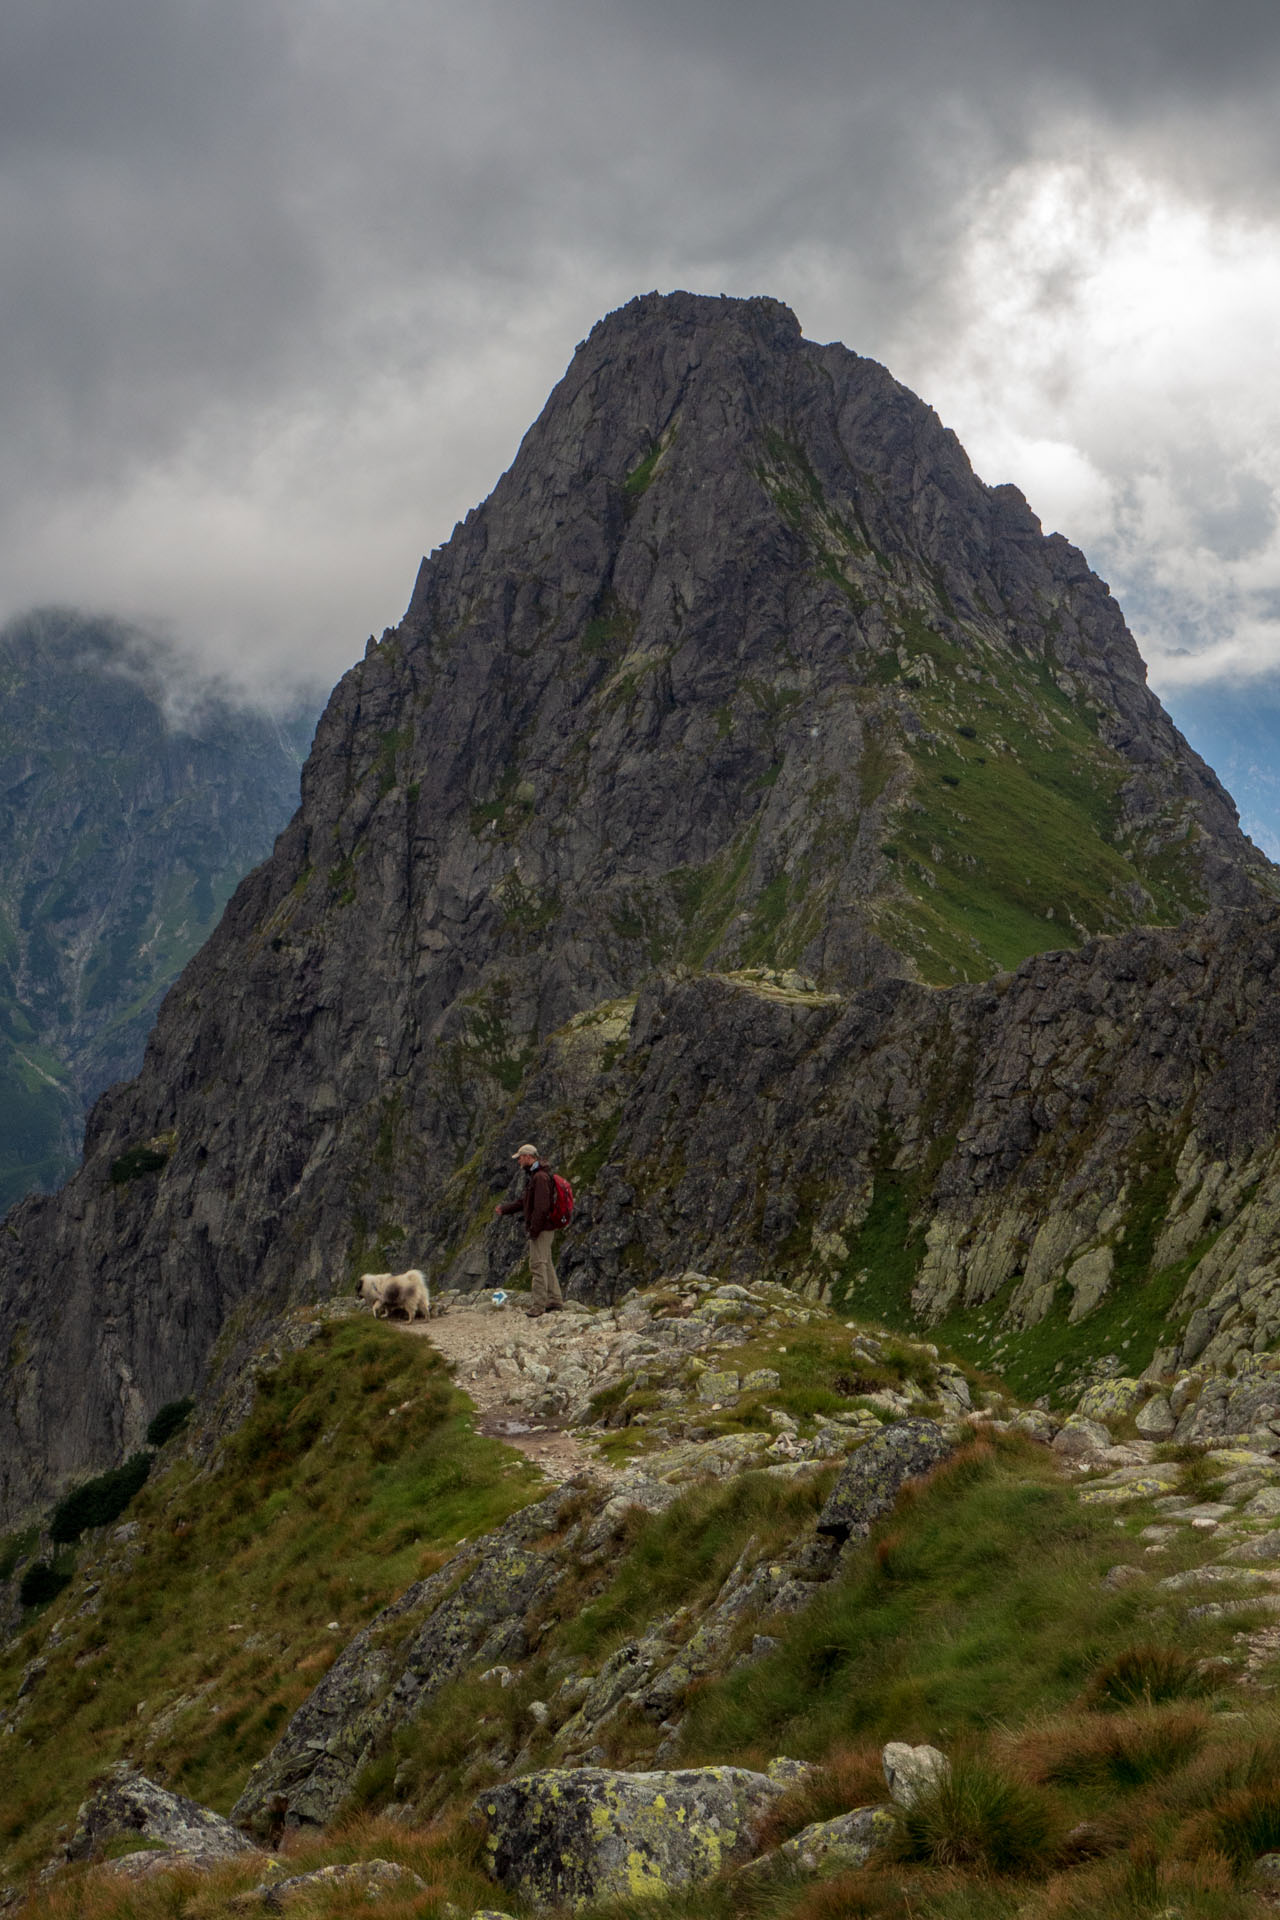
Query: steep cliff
x=123, y=830
x=740, y=665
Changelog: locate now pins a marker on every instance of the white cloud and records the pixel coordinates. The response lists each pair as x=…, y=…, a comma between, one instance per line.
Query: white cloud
x=1114, y=354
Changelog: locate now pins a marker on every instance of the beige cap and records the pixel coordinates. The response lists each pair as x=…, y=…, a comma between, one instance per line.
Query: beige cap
x=526, y=1148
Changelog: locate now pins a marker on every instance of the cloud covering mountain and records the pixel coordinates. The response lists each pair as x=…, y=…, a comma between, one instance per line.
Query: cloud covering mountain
x=283, y=286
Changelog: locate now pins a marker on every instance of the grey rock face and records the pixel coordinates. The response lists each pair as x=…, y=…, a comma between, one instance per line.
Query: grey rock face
x=675, y=695
x=872, y=1479
x=581, y=1834
x=127, y=1803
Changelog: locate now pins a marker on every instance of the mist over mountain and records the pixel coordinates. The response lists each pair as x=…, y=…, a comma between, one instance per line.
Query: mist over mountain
x=132, y=799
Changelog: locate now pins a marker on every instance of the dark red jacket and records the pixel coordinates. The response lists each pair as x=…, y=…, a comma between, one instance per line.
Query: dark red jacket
x=536, y=1202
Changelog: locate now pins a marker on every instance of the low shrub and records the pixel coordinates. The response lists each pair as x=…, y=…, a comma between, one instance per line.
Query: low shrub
x=41, y=1583
x=100, y=1501
x=172, y=1418
x=1146, y=1675
x=136, y=1161
x=980, y=1816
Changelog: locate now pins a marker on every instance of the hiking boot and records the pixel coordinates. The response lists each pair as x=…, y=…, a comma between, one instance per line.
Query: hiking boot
x=534, y=1313
x=554, y=1306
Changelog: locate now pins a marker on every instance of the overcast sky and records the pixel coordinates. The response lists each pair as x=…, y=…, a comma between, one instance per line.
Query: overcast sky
x=284, y=281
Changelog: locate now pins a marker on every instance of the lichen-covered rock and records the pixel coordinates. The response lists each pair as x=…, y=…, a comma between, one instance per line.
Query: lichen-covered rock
x=1110, y=1400
x=372, y=1878
x=910, y=1771
x=848, y=1841
x=1143, y=1486
x=716, y=1384
x=1079, y=1436
x=574, y=1835
x=871, y=1481
x=125, y=1802
x=1037, y=1425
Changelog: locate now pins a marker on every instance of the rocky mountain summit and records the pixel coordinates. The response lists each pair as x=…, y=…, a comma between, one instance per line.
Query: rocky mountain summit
x=124, y=827
x=742, y=713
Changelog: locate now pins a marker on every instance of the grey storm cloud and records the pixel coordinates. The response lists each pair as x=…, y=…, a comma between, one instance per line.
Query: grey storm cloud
x=284, y=282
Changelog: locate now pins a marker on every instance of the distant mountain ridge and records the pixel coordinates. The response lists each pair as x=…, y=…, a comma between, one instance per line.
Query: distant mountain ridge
x=123, y=829
x=739, y=667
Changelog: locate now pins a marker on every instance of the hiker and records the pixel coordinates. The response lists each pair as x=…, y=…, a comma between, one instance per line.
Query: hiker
x=537, y=1203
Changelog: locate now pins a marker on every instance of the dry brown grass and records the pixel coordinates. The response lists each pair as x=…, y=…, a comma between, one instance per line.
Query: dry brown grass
x=1127, y=1750
x=850, y=1776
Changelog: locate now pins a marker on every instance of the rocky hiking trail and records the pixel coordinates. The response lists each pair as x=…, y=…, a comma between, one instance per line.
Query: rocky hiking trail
x=484, y=1345
x=541, y=1384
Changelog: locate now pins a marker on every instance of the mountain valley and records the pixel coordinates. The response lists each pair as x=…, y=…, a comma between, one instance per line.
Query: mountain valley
x=123, y=830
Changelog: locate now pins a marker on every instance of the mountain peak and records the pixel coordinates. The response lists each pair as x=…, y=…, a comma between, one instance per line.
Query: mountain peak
x=739, y=666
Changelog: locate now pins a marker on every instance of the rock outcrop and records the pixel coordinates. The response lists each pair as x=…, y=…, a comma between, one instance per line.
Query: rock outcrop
x=739, y=666
x=583, y=1834
x=874, y=1477
x=467, y=1614
x=125, y=1804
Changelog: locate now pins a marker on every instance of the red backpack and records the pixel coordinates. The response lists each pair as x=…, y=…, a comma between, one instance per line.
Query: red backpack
x=562, y=1201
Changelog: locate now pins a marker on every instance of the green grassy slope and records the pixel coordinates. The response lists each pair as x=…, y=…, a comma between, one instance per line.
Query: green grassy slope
x=355, y=1474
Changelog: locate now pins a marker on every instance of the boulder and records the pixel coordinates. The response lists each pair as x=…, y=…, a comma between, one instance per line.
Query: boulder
x=910, y=1771
x=1037, y=1424
x=761, y=1380
x=1078, y=1436
x=368, y=1878
x=953, y=1389
x=717, y=1385
x=1156, y=1421
x=1183, y=1392
x=573, y=1835
x=125, y=1802
x=848, y=1841
x=1110, y=1399
x=871, y=1480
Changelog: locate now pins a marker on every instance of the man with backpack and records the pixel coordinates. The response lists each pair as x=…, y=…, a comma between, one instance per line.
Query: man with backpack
x=546, y=1203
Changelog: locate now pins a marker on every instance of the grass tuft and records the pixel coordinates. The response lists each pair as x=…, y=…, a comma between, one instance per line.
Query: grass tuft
x=1147, y=1675
x=1130, y=1750
x=981, y=1815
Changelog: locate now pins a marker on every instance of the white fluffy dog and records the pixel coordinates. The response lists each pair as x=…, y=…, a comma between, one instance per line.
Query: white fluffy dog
x=396, y=1293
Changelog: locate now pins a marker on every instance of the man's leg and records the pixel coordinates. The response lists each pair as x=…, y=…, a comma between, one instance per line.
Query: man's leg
x=546, y=1286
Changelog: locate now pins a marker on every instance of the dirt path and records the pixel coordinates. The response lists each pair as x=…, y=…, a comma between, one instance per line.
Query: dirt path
x=480, y=1344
